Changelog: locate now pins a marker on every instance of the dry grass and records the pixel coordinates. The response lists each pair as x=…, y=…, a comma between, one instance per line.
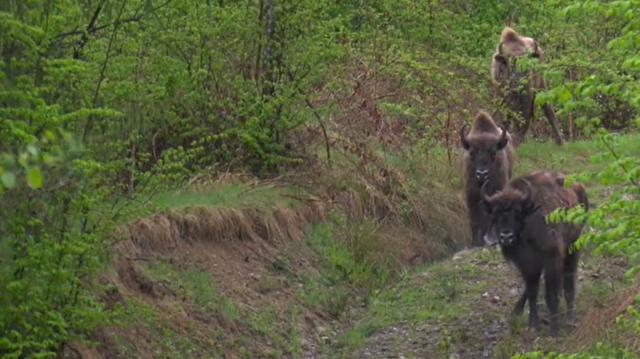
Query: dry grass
x=599, y=322
x=419, y=206
x=169, y=230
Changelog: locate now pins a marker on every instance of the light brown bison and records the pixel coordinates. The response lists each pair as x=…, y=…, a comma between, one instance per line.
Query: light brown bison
x=487, y=157
x=519, y=226
x=507, y=85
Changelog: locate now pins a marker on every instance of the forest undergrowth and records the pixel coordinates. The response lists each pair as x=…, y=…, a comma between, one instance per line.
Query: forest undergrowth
x=277, y=178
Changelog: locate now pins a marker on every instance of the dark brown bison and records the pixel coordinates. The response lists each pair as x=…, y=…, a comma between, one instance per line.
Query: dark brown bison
x=507, y=84
x=487, y=157
x=519, y=226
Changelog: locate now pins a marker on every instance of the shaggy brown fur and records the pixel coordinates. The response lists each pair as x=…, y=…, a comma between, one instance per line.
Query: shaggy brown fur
x=487, y=157
x=506, y=81
x=518, y=224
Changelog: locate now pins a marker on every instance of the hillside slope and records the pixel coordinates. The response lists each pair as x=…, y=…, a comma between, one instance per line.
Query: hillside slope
x=261, y=271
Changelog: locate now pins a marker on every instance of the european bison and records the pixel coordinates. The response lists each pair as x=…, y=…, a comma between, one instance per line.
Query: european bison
x=487, y=157
x=533, y=245
x=507, y=84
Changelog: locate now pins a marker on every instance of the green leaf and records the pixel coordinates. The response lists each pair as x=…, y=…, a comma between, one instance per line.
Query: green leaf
x=34, y=177
x=8, y=179
x=32, y=149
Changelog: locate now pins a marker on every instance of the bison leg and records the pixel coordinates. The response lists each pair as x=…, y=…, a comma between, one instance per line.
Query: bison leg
x=525, y=102
x=519, y=115
x=553, y=122
x=478, y=237
x=552, y=278
x=532, y=286
x=477, y=229
x=569, y=283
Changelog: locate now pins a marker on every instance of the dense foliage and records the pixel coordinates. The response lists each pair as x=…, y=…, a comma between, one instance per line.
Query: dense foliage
x=103, y=103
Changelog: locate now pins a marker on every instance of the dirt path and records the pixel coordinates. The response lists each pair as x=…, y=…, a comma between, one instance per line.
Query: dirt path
x=459, y=309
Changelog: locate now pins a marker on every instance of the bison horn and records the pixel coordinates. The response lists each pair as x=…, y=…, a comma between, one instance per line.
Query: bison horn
x=483, y=191
x=463, y=137
x=503, y=136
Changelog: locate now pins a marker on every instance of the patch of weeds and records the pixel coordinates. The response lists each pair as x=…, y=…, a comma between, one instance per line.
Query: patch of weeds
x=358, y=334
x=159, y=333
x=350, y=263
x=460, y=335
x=227, y=195
x=125, y=348
x=517, y=323
x=174, y=345
x=506, y=348
x=334, y=301
x=330, y=299
x=352, y=253
x=282, y=334
x=448, y=288
x=443, y=345
x=282, y=266
x=195, y=286
x=268, y=283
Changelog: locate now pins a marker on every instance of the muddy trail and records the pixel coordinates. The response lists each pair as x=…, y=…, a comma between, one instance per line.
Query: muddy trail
x=460, y=309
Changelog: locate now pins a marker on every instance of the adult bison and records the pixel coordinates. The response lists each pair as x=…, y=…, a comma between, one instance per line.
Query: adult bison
x=516, y=89
x=533, y=245
x=487, y=157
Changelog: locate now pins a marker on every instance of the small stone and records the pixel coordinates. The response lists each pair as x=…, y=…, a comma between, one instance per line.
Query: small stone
x=305, y=344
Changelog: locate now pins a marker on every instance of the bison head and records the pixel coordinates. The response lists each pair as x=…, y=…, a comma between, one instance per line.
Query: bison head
x=508, y=210
x=482, y=152
x=511, y=47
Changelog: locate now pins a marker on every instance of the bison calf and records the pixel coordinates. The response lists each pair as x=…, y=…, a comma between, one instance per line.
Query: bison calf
x=534, y=246
x=487, y=158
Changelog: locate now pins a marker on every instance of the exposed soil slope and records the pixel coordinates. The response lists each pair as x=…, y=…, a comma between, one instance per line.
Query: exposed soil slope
x=209, y=282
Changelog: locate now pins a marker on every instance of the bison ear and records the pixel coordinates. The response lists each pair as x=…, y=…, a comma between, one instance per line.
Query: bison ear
x=529, y=207
x=465, y=144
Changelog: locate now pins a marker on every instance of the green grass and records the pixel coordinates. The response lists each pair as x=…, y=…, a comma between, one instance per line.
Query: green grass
x=572, y=157
x=229, y=195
